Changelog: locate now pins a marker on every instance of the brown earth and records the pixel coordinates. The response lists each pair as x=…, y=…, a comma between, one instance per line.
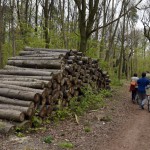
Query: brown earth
x=127, y=128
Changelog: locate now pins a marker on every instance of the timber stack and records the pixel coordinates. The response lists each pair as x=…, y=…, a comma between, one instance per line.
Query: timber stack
x=39, y=79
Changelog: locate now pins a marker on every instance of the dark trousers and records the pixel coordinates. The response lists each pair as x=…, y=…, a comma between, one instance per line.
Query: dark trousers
x=134, y=92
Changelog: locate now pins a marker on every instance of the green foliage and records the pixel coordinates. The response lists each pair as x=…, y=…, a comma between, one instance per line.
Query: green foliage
x=106, y=93
x=91, y=100
x=36, y=121
x=48, y=139
x=66, y=145
x=87, y=129
x=62, y=114
x=19, y=134
x=116, y=82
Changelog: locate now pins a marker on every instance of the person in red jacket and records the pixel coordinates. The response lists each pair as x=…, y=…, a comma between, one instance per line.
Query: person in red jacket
x=133, y=88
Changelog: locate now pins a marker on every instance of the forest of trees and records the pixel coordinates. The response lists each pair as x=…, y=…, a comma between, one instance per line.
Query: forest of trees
x=102, y=29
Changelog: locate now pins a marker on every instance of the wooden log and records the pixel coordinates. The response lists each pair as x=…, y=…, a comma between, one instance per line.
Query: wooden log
x=57, y=76
x=55, y=97
x=79, y=53
x=49, y=110
x=5, y=100
x=26, y=53
x=26, y=110
x=54, y=55
x=36, y=85
x=6, y=127
x=26, y=124
x=43, y=101
x=30, y=78
x=9, y=67
x=25, y=72
x=48, y=64
x=34, y=58
x=46, y=49
x=85, y=59
x=49, y=100
x=68, y=68
x=43, y=93
x=13, y=115
x=19, y=94
x=72, y=57
x=42, y=111
x=70, y=61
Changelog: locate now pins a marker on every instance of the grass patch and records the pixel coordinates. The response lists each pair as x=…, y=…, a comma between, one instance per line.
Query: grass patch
x=48, y=139
x=66, y=145
x=87, y=129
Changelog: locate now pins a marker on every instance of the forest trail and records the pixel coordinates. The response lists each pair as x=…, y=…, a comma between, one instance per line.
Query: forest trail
x=134, y=134
x=128, y=129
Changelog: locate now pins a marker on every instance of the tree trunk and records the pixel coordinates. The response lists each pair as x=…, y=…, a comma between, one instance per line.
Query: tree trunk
x=1, y=34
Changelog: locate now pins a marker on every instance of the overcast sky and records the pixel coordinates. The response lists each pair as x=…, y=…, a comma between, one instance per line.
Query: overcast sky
x=140, y=13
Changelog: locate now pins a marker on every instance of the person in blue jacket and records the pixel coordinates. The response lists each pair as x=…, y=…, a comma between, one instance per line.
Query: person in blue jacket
x=142, y=84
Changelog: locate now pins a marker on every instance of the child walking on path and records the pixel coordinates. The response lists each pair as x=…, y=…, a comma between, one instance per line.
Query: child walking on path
x=134, y=86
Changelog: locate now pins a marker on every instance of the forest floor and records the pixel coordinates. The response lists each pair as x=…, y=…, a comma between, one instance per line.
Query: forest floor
x=126, y=128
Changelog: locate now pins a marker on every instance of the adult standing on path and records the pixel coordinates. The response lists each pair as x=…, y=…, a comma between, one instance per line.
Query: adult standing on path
x=142, y=83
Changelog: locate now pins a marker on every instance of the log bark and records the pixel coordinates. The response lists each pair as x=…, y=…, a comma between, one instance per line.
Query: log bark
x=36, y=85
x=33, y=53
x=6, y=127
x=25, y=72
x=17, y=102
x=23, y=125
x=12, y=115
x=27, y=78
x=48, y=64
x=49, y=110
x=9, y=67
x=19, y=94
x=43, y=93
x=35, y=58
x=42, y=111
x=46, y=49
x=26, y=110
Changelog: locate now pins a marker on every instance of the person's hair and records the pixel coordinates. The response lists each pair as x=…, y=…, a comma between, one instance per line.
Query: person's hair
x=143, y=74
x=135, y=74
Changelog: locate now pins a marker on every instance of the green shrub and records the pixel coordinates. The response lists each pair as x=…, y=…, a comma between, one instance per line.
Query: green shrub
x=66, y=145
x=48, y=139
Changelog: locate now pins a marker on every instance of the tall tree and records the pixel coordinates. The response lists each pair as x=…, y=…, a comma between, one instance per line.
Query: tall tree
x=86, y=22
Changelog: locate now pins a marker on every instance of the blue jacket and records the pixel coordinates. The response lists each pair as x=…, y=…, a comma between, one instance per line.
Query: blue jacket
x=142, y=83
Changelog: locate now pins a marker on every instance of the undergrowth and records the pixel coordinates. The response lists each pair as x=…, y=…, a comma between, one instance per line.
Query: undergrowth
x=91, y=100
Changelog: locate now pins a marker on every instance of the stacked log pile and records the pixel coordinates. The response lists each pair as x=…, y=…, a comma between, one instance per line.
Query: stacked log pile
x=39, y=79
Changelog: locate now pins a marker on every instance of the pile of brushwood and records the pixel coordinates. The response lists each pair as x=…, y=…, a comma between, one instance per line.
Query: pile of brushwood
x=33, y=83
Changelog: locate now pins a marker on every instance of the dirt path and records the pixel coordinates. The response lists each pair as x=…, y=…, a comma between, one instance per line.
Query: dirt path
x=134, y=134
x=128, y=129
